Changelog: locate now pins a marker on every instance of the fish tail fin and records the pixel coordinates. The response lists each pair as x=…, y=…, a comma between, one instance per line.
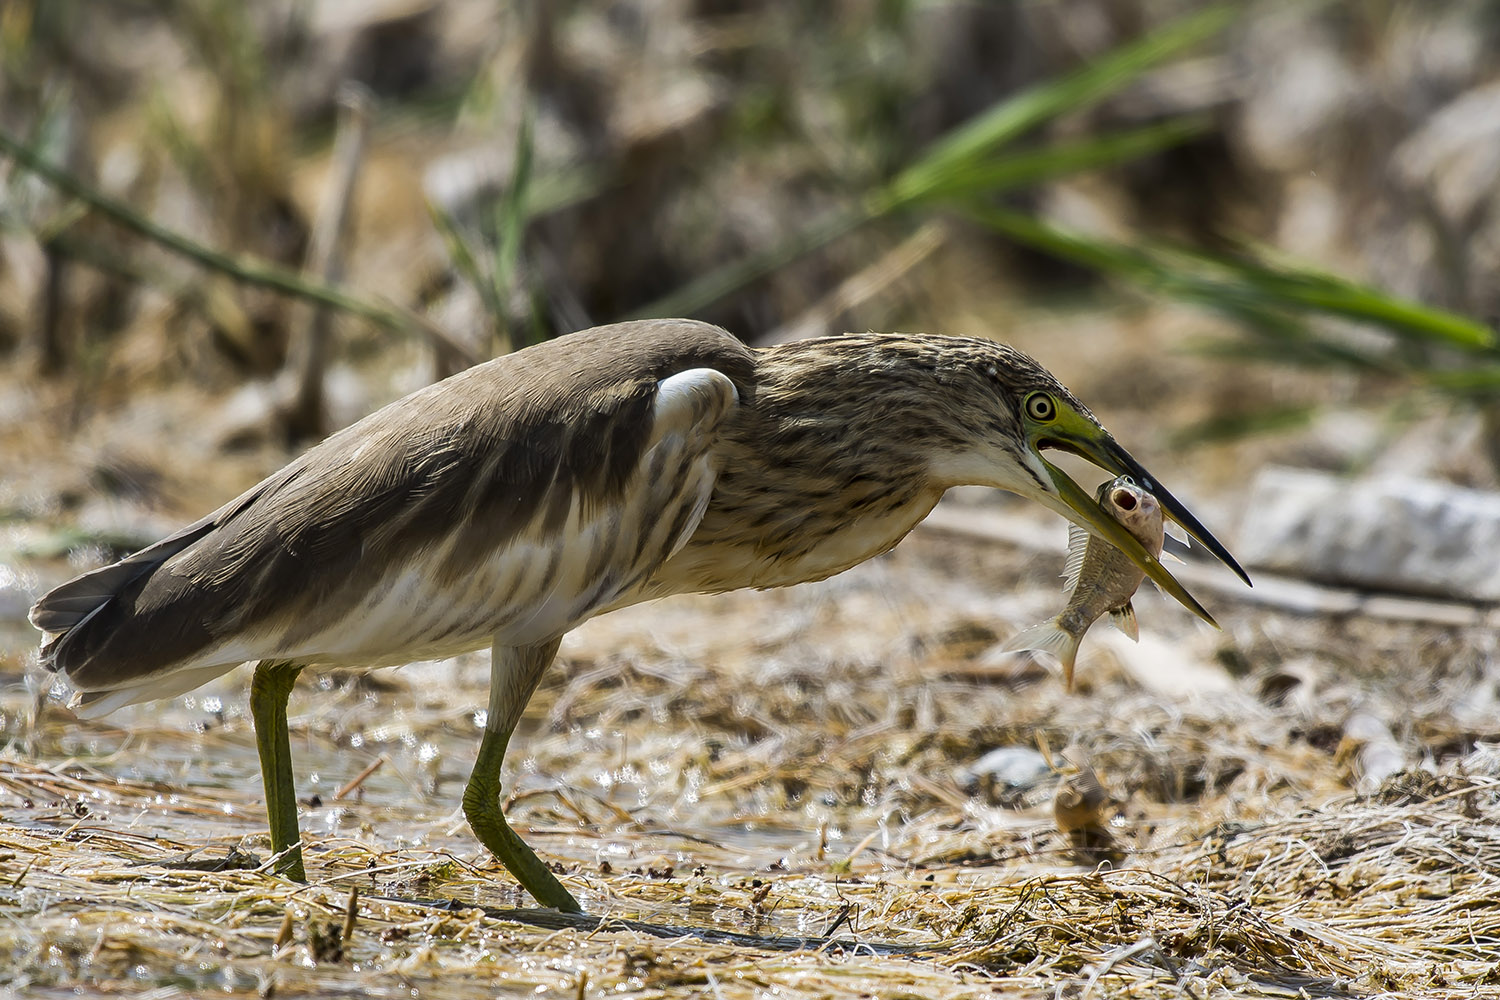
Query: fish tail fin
x=1050, y=637
x=1123, y=618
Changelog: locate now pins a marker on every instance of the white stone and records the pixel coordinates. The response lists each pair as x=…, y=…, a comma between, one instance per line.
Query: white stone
x=1396, y=535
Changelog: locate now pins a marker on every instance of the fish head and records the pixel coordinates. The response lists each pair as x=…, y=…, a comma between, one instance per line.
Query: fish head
x=1137, y=510
x=1052, y=419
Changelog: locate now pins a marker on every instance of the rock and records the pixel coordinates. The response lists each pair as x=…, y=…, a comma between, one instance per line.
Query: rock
x=1006, y=776
x=1398, y=535
x=1377, y=755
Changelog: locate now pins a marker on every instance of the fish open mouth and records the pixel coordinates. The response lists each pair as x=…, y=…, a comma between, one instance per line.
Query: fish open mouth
x=1123, y=499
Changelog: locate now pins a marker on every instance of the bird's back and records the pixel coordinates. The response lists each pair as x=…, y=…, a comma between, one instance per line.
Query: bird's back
x=382, y=523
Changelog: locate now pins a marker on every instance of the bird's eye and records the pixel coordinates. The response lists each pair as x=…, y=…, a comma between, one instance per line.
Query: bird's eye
x=1039, y=406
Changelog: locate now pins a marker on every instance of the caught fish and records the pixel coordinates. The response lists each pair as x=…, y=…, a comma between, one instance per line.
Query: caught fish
x=1100, y=576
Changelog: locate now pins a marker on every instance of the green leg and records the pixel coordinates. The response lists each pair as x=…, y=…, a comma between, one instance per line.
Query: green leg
x=514, y=674
x=269, y=690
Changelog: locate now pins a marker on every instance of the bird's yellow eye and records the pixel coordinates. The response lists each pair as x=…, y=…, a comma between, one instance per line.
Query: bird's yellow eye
x=1040, y=407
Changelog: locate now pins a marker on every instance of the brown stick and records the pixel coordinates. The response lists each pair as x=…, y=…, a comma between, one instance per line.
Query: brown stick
x=359, y=779
x=307, y=356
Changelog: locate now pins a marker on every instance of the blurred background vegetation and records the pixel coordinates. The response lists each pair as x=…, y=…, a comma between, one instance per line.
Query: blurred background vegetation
x=1251, y=230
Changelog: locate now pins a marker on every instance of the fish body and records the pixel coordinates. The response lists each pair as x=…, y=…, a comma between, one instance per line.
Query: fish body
x=1100, y=576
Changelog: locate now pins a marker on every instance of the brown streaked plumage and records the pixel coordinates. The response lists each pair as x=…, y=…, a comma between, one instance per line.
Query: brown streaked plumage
x=515, y=500
x=463, y=466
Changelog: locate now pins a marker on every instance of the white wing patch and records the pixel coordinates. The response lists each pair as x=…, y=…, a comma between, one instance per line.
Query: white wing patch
x=690, y=406
x=692, y=401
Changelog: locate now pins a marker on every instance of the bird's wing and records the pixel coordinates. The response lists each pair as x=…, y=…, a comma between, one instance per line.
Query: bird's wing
x=579, y=553
x=419, y=536
x=689, y=410
x=73, y=604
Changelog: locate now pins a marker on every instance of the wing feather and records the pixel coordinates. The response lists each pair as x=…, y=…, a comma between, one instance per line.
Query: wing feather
x=600, y=556
x=389, y=542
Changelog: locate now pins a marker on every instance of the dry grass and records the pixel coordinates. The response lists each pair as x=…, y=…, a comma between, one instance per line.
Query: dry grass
x=778, y=766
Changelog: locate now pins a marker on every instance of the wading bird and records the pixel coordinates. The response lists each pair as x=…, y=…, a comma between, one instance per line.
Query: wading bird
x=513, y=501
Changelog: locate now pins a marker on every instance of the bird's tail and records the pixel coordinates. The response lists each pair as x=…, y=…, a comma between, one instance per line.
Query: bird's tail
x=64, y=613
x=1050, y=637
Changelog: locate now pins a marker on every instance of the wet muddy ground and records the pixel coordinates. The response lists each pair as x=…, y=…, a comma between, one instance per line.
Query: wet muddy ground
x=1301, y=802
x=795, y=765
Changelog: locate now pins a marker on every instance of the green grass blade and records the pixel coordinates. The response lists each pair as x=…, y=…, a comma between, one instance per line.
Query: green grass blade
x=1025, y=111
x=463, y=258
x=511, y=213
x=1478, y=382
x=1035, y=166
x=1101, y=255
x=1268, y=302
x=1292, y=284
x=562, y=187
x=1236, y=426
x=1339, y=297
x=1283, y=341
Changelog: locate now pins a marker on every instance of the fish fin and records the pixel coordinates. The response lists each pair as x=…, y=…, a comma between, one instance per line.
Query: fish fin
x=1172, y=557
x=1176, y=531
x=1049, y=637
x=1078, y=543
x=1123, y=618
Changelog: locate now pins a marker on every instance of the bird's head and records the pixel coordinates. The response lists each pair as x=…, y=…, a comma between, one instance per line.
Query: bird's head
x=1014, y=411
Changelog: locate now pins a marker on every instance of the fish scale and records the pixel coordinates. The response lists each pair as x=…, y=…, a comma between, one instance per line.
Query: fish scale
x=1100, y=577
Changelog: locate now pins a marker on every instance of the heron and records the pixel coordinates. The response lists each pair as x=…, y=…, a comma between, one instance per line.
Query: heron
x=506, y=505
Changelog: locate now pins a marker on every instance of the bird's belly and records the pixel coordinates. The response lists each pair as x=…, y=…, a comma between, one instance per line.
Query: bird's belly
x=720, y=557
x=525, y=595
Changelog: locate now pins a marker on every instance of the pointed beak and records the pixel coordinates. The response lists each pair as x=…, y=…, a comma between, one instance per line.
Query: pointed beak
x=1096, y=446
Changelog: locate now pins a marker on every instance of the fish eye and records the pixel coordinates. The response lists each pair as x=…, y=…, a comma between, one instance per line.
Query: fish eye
x=1040, y=407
